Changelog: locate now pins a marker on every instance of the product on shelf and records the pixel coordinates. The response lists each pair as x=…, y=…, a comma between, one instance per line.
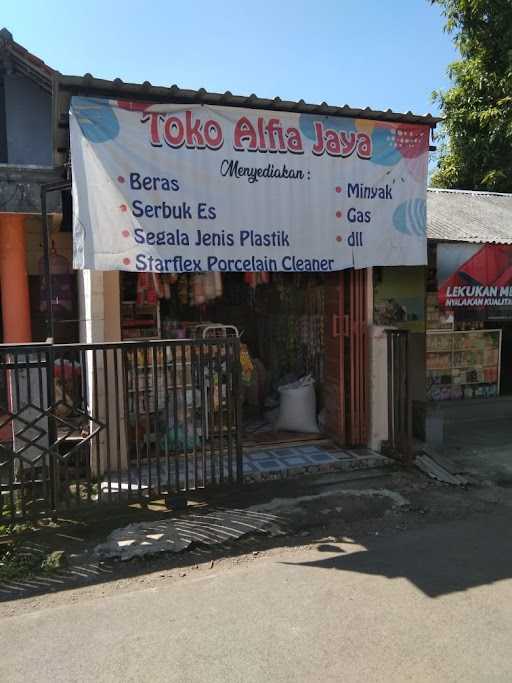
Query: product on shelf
x=437, y=319
x=463, y=364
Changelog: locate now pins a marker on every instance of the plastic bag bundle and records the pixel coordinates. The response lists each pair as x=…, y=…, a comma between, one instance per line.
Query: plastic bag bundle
x=297, y=409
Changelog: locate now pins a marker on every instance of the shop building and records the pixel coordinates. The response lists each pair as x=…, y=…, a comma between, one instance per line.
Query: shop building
x=187, y=336
x=26, y=165
x=469, y=308
x=292, y=323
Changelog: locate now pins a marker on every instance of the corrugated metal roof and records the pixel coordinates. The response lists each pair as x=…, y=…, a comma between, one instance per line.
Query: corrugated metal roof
x=88, y=85
x=467, y=216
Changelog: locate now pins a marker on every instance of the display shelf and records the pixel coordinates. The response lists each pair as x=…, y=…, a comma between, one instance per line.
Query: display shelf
x=139, y=322
x=436, y=317
x=468, y=360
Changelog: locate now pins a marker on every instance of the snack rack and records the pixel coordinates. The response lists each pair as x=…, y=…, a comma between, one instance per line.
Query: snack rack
x=150, y=372
x=463, y=364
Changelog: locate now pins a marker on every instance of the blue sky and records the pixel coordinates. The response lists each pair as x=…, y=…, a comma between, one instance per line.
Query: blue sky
x=377, y=53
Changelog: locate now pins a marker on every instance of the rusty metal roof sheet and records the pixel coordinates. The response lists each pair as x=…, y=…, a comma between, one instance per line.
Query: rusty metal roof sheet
x=468, y=216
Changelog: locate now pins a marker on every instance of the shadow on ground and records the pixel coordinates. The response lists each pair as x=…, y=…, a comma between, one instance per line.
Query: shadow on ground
x=437, y=556
x=438, y=559
x=482, y=448
x=478, y=434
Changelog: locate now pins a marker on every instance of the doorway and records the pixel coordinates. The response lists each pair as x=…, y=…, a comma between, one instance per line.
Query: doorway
x=346, y=383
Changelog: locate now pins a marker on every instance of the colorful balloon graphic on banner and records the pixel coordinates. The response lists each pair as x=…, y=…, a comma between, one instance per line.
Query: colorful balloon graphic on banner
x=96, y=119
x=390, y=143
x=410, y=217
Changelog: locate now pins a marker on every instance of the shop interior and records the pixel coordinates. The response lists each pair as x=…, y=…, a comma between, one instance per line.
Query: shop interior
x=279, y=318
x=64, y=282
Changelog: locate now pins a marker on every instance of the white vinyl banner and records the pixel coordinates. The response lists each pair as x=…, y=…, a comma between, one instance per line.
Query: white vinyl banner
x=176, y=188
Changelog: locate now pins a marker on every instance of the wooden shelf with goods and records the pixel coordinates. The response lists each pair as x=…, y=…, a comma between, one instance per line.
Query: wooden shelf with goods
x=463, y=364
x=437, y=319
x=181, y=394
x=139, y=322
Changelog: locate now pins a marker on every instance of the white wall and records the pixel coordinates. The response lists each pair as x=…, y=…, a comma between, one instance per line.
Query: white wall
x=100, y=306
x=99, y=303
x=378, y=391
x=377, y=376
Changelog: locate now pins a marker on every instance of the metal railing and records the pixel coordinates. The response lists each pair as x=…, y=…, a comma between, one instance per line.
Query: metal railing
x=399, y=443
x=116, y=422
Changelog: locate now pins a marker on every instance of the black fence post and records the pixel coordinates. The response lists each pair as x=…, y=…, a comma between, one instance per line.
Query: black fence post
x=399, y=442
x=237, y=390
x=52, y=431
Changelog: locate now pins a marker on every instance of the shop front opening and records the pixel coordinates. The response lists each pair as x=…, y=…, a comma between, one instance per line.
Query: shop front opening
x=302, y=344
x=280, y=320
x=468, y=352
x=505, y=355
x=469, y=322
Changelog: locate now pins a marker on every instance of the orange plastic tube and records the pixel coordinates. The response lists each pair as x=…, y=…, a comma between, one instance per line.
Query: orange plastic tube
x=14, y=280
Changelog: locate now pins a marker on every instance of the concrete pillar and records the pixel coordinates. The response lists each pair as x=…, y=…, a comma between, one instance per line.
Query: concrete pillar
x=17, y=329
x=14, y=279
x=378, y=386
x=377, y=376
x=100, y=307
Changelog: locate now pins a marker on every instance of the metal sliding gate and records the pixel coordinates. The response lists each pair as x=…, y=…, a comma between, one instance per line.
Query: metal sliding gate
x=86, y=423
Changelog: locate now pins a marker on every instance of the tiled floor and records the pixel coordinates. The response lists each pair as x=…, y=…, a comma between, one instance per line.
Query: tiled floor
x=282, y=459
x=258, y=464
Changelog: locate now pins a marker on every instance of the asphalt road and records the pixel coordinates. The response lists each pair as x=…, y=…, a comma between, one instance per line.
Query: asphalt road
x=431, y=604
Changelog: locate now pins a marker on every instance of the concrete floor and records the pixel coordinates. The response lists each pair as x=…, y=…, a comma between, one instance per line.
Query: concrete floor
x=482, y=448
x=477, y=438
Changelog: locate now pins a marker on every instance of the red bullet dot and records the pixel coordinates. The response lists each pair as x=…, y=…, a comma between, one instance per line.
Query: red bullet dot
x=338, y=189
x=123, y=208
x=126, y=233
x=338, y=214
x=339, y=238
x=120, y=179
x=126, y=261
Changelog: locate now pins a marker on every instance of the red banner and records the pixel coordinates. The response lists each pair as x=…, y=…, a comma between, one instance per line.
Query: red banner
x=472, y=276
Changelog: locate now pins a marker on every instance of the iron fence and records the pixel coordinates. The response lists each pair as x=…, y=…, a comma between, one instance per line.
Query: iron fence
x=399, y=443
x=87, y=423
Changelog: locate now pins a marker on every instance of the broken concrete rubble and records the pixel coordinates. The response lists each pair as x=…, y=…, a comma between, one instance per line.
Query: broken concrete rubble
x=274, y=518
x=182, y=533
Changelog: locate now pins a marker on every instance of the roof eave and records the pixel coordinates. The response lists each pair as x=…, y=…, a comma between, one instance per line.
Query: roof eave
x=96, y=87
x=440, y=240
x=27, y=63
